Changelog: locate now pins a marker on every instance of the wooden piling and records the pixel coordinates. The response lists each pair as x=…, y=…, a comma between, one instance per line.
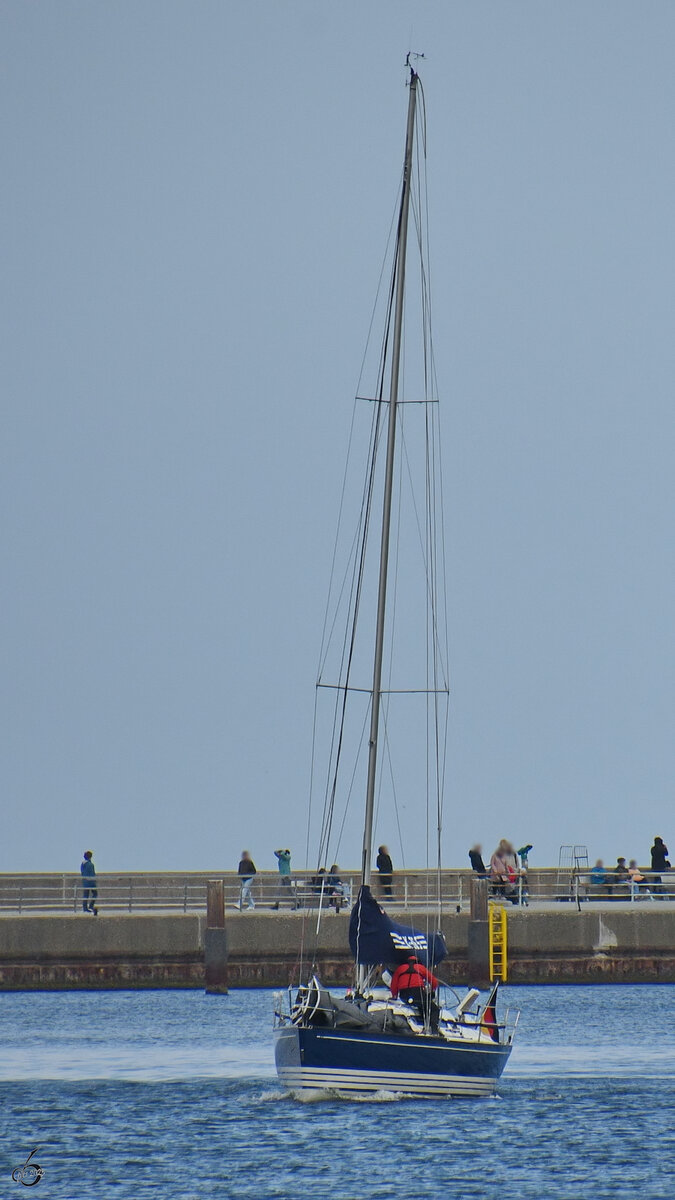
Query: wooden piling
x=478, y=934
x=215, y=939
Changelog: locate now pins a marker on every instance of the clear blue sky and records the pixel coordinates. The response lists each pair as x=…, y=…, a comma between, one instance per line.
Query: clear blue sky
x=195, y=198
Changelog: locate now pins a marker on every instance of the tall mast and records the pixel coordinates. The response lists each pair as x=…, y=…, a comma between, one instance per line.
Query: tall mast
x=401, y=243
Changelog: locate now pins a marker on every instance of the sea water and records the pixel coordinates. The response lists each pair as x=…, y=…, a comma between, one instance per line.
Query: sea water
x=174, y=1094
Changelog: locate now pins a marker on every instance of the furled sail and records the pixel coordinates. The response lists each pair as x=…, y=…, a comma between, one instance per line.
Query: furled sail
x=375, y=938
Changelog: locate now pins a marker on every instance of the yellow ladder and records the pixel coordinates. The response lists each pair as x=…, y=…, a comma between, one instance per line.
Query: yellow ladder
x=498, y=942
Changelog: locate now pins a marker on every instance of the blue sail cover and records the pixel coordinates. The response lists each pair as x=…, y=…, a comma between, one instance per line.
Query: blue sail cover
x=375, y=938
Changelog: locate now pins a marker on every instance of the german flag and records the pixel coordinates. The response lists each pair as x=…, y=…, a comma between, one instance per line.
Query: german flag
x=488, y=1021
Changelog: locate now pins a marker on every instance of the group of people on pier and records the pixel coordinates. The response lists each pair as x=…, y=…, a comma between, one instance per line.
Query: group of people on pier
x=632, y=880
x=507, y=873
x=326, y=882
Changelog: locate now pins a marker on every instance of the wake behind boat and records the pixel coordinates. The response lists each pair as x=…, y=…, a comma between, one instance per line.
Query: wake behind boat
x=389, y=1031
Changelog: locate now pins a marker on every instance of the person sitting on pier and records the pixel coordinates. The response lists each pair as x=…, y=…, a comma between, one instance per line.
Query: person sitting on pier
x=319, y=881
x=638, y=882
x=620, y=879
x=415, y=984
x=336, y=888
x=599, y=885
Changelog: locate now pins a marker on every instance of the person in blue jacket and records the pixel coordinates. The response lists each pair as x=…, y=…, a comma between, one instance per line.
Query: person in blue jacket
x=285, y=885
x=89, y=888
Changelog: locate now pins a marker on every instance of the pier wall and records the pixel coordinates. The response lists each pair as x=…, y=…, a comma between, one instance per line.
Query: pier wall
x=633, y=944
x=69, y=952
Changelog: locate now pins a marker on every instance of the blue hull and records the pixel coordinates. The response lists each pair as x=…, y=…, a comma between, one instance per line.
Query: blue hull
x=356, y=1061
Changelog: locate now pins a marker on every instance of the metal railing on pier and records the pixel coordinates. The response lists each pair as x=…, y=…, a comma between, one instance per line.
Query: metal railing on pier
x=156, y=891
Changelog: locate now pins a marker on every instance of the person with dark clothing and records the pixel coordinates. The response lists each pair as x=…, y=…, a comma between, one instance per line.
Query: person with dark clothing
x=620, y=879
x=386, y=869
x=476, y=860
x=318, y=881
x=336, y=889
x=659, y=853
x=415, y=984
x=246, y=870
x=89, y=888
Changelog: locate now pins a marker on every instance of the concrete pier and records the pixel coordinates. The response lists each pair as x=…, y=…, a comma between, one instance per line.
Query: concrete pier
x=613, y=943
x=76, y=951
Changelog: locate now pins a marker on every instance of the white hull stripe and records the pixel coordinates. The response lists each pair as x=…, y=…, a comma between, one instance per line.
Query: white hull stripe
x=396, y=1081
x=421, y=1043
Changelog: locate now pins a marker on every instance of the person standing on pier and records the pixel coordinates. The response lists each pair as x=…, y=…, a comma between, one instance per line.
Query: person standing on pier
x=246, y=871
x=386, y=869
x=285, y=887
x=659, y=853
x=89, y=888
x=476, y=860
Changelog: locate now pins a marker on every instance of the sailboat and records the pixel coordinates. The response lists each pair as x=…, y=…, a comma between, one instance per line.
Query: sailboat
x=375, y=1037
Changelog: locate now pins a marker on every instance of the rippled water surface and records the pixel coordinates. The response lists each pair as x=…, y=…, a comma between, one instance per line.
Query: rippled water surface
x=173, y=1094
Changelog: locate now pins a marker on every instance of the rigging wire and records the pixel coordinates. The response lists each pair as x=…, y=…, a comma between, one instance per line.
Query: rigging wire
x=357, y=582
x=350, y=591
